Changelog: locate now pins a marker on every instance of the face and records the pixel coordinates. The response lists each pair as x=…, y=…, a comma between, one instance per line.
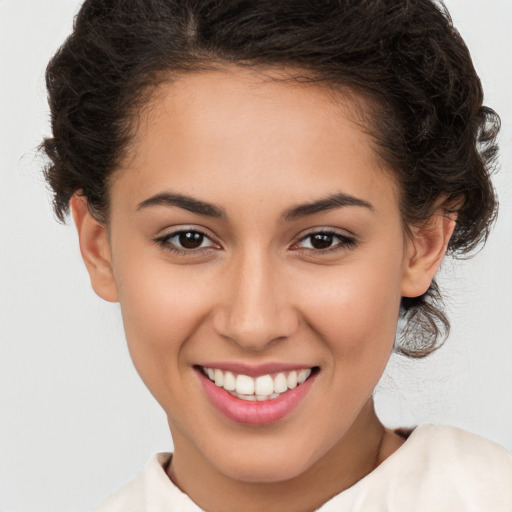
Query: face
x=256, y=237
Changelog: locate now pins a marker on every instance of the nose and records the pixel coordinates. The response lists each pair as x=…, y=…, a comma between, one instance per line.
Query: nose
x=255, y=309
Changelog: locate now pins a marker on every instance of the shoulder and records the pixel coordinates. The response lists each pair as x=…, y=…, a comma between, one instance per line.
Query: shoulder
x=444, y=465
x=466, y=451
x=150, y=490
x=438, y=468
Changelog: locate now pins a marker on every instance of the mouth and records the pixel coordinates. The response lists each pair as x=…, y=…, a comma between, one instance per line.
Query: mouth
x=265, y=387
x=260, y=399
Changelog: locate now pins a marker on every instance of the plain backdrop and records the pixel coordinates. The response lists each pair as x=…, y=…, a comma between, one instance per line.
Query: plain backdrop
x=75, y=420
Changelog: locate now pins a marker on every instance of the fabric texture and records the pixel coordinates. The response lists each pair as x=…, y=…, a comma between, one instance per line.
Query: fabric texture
x=437, y=469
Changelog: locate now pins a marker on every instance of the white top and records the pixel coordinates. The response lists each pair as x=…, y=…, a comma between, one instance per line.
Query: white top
x=437, y=469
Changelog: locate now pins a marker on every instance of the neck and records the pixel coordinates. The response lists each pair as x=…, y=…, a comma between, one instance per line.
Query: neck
x=352, y=458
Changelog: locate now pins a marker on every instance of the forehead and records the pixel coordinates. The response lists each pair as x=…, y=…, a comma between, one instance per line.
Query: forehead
x=253, y=131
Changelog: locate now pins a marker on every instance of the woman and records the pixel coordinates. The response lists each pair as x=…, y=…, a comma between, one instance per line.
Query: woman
x=265, y=188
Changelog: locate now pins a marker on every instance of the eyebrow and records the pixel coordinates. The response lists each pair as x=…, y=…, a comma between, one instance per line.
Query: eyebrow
x=331, y=202
x=300, y=211
x=185, y=202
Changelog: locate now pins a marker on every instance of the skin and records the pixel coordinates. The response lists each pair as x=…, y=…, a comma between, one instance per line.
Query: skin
x=257, y=291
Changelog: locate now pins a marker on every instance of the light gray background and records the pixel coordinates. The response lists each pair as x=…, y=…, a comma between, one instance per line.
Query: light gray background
x=75, y=420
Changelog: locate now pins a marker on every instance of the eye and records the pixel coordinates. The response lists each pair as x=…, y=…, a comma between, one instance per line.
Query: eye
x=325, y=241
x=186, y=241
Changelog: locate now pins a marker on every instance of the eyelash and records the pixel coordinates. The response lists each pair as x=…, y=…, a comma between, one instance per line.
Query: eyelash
x=165, y=241
x=344, y=242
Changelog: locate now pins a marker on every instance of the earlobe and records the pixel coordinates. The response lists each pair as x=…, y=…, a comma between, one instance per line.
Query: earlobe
x=425, y=251
x=95, y=249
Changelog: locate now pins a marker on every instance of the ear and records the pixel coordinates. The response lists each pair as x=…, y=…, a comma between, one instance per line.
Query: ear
x=425, y=250
x=95, y=249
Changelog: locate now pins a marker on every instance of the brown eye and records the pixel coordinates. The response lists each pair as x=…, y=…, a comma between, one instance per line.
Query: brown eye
x=186, y=241
x=326, y=241
x=321, y=240
x=190, y=239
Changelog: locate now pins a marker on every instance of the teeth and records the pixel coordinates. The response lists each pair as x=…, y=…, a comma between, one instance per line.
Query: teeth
x=280, y=383
x=249, y=398
x=257, y=398
x=218, y=376
x=302, y=375
x=244, y=385
x=292, y=380
x=264, y=385
x=229, y=381
x=261, y=388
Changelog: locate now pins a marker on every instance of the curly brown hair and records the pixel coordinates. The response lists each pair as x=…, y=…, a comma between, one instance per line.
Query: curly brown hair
x=427, y=116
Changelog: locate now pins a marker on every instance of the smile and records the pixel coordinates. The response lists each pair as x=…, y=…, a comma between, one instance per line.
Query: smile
x=266, y=397
x=262, y=388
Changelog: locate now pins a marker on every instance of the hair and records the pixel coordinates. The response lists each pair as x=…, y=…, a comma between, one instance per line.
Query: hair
x=405, y=56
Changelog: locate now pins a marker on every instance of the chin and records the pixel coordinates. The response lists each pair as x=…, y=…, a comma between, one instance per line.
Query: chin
x=266, y=466
x=265, y=473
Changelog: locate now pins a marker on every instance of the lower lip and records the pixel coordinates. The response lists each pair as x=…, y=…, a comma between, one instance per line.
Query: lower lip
x=254, y=412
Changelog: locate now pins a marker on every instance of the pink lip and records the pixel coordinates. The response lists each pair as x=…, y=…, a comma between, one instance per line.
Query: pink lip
x=254, y=413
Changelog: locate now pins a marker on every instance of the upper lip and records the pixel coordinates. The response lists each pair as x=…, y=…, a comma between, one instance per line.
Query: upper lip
x=255, y=370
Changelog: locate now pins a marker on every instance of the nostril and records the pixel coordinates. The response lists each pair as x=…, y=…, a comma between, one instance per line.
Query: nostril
x=256, y=332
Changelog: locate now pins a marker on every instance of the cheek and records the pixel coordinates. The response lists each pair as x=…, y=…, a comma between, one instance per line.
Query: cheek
x=161, y=308
x=355, y=319
x=354, y=309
